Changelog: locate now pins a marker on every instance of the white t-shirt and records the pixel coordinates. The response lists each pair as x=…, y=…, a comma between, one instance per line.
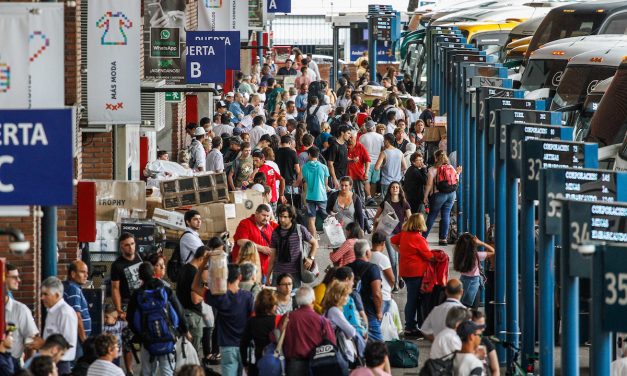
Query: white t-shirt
x=373, y=142
x=383, y=262
x=102, y=367
x=323, y=112
x=445, y=343
x=465, y=363
x=436, y=321
x=19, y=314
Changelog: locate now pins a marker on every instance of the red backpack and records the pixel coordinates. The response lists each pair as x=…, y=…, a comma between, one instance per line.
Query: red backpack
x=446, y=179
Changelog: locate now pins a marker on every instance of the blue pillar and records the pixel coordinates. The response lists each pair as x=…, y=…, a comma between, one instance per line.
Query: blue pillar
x=472, y=165
x=546, y=307
x=467, y=201
x=49, y=242
x=372, y=50
x=490, y=178
x=600, y=351
x=528, y=278
x=569, y=299
x=512, y=263
x=480, y=181
x=501, y=253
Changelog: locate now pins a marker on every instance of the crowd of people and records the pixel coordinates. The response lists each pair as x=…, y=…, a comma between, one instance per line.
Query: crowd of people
x=314, y=152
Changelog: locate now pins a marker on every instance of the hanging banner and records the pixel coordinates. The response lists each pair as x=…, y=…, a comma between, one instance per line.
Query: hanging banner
x=256, y=15
x=206, y=61
x=231, y=44
x=164, y=40
x=279, y=6
x=14, y=59
x=113, y=90
x=224, y=15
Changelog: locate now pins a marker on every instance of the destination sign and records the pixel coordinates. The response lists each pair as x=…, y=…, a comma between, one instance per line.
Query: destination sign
x=512, y=137
x=614, y=272
x=485, y=92
x=510, y=116
x=494, y=107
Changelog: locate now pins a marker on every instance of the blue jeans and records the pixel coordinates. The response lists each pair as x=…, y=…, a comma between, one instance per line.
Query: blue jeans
x=231, y=362
x=374, y=328
x=163, y=363
x=413, y=307
x=393, y=255
x=472, y=290
x=440, y=203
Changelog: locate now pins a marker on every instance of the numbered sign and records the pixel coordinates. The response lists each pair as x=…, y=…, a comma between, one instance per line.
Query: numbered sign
x=517, y=116
x=495, y=105
x=483, y=93
x=513, y=136
x=537, y=154
x=615, y=292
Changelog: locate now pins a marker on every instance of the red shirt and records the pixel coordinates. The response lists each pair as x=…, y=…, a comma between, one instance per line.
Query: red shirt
x=304, y=332
x=356, y=169
x=361, y=118
x=414, y=253
x=247, y=229
x=272, y=176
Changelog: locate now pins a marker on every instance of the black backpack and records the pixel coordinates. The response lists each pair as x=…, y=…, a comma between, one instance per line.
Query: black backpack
x=175, y=263
x=312, y=121
x=439, y=367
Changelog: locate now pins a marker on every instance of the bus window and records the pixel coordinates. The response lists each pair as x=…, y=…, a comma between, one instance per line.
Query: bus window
x=577, y=82
x=562, y=25
x=617, y=24
x=543, y=73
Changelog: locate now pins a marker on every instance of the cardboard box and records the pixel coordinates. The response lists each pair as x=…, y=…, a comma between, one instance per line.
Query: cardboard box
x=207, y=196
x=188, y=198
x=168, y=218
x=153, y=203
x=214, y=216
x=171, y=202
x=220, y=179
x=112, y=194
x=168, y=186
x=186, y=184
x=205, y=181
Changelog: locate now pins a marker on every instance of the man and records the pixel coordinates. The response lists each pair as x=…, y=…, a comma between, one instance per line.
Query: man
x=447, y=341
x=258, y=229
x=236, y=108
x=215, y=159
x=290, y=110
x=287, y=70
x=61, y=319
x=301, y=101
x=435, y=321
x=192, y=302
x=315, y=177
x=345, y=100
x=73, y=295
x=466, y=362
x=415, y=181
x=257, y=131
x=364, y=56
x=391, y=163
x=245, y=86
x=220, y=128
x=255, y=104
x=189, y=133
x=242, y=168
x=288, y=165
x=249, y=279
x=228, y=98
x=358, y=164
x=369, y=277
x=286, y=247
x=313, y=66
x=124, y=279
x=427, y=116
x=18, y=313
x=373, y=142
x=304, y=77
x=54, y=346
x=234, y=308
x=264, y=142
x=234, y=144
x=391, y=122
x=190, y=240
x=106, y=346
x=303, y=157
x=272, y=176
x=197, y=151
x=337, y=157
x=150, y=293
x=8, y=364
x=162, y=155
x=305, y=331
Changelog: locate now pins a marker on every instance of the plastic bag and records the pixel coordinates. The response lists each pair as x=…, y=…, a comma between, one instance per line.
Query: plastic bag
x=396, y=315
x=185, y=353
x=388, y=329
x=334, y=232
x=218, y=273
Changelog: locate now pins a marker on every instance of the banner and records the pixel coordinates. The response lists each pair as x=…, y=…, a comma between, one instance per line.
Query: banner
x=279, y=6
x=164, y=40
x=206, y=60
x=224, y=15
x=14, y=59
x=231, y=43
x=256, y=15
x=46, y=53
x=113, y=89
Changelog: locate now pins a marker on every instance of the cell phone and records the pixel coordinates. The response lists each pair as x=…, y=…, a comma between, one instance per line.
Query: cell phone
x=156, y=8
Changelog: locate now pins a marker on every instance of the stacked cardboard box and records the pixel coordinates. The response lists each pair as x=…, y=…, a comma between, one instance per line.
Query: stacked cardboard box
x=194, y=190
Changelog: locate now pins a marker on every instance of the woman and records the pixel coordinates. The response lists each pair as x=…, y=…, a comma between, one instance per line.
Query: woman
x=415, y=256
x=322, y=287
x=346, y=205
x=466, y=260
x=258, y=329
x=491, y=361
x=362, y=69
x=248, y=253
x=334, y=300
x=412, y=113
x=345, y=254
x=394, y=198
x=284, y=303
x=415, y=181
x=418, y=132
x=439, y=202
x=391, y=74
x=380, y=129
x=158, y=262
x=322, y=141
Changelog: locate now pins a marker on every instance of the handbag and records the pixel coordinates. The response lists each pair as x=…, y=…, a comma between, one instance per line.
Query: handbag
x=272, y=362
x=402, y=354
x=185, y=353
x=326, y=359
x=306, y=275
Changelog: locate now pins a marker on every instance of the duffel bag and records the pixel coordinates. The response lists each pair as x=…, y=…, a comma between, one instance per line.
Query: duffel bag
x=402, y=354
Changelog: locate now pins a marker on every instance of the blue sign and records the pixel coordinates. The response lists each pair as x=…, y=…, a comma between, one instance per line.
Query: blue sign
x=206, y=57
x=279, y=6
x=36, y=166
x=231, y=42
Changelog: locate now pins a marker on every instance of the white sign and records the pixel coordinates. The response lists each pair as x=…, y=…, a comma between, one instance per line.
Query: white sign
x=113, y=55
x=13, y=58
x=223, y=15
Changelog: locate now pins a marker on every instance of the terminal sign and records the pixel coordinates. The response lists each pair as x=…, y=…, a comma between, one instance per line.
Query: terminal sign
x=206, y=58
x=514, y=135
x=615, y=285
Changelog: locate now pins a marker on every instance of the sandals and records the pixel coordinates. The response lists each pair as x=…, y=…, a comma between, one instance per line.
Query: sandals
x=214, y=359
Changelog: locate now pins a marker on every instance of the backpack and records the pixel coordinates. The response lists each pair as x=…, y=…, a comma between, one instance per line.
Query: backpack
x=312, y=121
x=326, y=359
x=272, y=362
x=402, y=354
x=439, y=367
x=174, y=263
x=383, y=117
x=157, y=320
x=446, y=179
x=360, y=274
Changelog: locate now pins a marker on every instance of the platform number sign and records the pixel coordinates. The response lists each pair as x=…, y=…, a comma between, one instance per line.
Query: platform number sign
x=615, y=288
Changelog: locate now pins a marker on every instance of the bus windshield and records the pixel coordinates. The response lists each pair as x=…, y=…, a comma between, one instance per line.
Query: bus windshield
x=577, y=82
x=560, y=25
x=542, y=74
x=582, y=120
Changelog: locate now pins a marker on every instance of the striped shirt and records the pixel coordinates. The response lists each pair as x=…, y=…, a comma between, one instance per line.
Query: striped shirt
x=73, y=295
x=102, y=367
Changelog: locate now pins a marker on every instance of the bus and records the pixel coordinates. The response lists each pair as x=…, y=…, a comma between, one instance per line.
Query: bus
x=580, y=19
x=581, y=121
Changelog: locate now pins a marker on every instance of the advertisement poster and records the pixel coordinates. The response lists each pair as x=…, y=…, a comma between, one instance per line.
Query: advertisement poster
x=164, y=40
x=224, y=15
x=113, y=37
x=14, y=59
x=256, y=15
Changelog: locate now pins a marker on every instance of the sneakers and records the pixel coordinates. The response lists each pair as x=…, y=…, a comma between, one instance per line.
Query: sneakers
x=401, y=284
x=442, y=242
x=395, y=290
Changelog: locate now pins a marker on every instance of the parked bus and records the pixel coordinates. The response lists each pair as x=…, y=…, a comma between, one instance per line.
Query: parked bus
x=581, y=121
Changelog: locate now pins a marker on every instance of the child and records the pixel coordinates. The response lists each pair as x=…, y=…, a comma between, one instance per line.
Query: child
x=114, y=326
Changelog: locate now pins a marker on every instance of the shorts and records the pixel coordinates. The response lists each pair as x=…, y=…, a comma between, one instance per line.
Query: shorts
x=316, y=207
x=373, y=175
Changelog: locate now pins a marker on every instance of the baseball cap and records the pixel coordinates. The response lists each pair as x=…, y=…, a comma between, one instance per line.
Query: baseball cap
x=237, y=131
x=370, y=125
x=221, y=104
x=235, y=140
x=230, y=94
x=199, y=131
x=466, y=328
